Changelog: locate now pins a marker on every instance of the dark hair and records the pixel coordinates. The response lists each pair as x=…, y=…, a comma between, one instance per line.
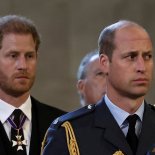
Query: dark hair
x=18, y=25
x=82, y=70
x=106, y=39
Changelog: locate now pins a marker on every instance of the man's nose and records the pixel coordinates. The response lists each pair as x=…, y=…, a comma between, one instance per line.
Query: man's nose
x=22, y=63
x=141, y=64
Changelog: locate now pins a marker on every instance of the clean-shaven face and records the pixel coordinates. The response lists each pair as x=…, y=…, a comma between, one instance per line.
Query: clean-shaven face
x=131, y=68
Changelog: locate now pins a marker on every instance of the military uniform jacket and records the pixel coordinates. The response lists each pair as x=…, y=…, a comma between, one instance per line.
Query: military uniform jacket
x=97, y=133
x=42, y=115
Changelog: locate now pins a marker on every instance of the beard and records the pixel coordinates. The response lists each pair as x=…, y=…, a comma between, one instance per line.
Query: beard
x=16, y=87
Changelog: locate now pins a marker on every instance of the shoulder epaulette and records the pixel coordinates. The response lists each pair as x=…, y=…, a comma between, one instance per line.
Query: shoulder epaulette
x=66, y=118
x=72, y=115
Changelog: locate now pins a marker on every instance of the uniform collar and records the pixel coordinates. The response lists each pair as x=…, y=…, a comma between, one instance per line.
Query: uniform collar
x=119, y=114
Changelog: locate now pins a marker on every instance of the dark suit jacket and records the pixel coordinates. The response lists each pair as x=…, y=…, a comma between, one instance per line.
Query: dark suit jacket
x=42, y=115
x=97, y=133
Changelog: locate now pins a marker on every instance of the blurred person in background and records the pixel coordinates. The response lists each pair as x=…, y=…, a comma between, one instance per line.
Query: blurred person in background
x=91, y=79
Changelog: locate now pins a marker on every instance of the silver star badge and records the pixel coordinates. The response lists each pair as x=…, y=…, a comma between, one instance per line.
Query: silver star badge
x=19, y=142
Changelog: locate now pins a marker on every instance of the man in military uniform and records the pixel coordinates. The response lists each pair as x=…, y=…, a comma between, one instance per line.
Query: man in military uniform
x=122, y=123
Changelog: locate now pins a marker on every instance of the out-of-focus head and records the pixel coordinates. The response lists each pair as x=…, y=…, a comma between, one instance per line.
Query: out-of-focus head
x=91, y=80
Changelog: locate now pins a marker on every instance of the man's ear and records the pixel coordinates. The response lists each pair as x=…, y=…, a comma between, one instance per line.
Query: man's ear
x=104, y=61
x=80, y=86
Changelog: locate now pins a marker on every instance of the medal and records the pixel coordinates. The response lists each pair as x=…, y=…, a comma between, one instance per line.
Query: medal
x=18, y=141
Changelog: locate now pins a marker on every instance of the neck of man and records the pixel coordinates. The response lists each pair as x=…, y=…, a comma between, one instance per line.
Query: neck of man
x=126, y=103
x=15, y=101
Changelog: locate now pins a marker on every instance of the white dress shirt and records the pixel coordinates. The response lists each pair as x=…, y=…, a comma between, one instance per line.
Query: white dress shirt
x=7, y=109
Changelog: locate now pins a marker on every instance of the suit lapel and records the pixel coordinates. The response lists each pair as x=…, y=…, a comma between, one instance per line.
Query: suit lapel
x=147, y=136
x=5, y=144
x=112, y=133
x=35, y=134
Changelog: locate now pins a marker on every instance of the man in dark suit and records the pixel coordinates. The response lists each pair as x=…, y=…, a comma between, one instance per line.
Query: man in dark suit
x=23, y=119
x=122, y=123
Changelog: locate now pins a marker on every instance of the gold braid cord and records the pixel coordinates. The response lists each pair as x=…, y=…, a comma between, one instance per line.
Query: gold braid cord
x=43, y=143
x=71, y=140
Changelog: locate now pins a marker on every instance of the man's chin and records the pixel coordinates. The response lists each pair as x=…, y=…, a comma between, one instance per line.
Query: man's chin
x=138, y=95
x=19, y=93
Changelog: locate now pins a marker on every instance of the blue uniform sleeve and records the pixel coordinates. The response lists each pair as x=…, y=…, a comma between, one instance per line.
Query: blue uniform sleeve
x=56, y=143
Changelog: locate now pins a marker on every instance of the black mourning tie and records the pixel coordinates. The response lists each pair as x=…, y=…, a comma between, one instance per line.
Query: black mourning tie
x=131, y=135
x=17, y=136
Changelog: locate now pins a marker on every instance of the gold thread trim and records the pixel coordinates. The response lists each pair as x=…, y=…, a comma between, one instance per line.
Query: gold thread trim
x=71, y=140
x=43, y=143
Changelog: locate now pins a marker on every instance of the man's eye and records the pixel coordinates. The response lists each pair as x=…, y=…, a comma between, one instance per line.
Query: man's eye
x=13, y=55
x=29, y=56
x=100, y=74
x=148, y=57
x=131, y=57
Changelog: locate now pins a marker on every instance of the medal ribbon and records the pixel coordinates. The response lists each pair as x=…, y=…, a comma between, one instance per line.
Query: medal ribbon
x=13, y=125
x=20, y=142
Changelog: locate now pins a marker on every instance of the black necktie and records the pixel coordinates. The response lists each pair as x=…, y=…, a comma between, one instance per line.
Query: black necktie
x=131, y=135
x=18, y=145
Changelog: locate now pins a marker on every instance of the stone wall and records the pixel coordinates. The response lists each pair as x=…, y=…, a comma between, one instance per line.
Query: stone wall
x=70, y=29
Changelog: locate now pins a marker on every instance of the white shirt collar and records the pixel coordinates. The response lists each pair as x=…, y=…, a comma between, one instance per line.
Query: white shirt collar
x=7, y=109
x=119, y=114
